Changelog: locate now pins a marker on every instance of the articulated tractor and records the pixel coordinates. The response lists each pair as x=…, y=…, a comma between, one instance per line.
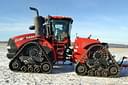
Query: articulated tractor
x=38, y=52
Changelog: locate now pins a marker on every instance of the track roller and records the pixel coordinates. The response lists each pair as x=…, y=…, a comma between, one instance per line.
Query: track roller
x=36, y=68
x=91, y=72
x=98, y=73
x=24, y=68
x=104, y=73
x=30, y=68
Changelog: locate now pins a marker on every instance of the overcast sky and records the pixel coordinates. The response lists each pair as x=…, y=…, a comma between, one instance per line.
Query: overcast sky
x=104, y=19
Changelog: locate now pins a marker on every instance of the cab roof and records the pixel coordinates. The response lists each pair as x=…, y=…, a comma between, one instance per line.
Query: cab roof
x=60, y=17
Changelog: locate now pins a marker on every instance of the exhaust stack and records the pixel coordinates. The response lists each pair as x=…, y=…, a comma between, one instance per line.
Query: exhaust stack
x=38, y=22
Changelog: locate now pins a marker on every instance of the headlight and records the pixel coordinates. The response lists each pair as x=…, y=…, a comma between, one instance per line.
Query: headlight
x=75, y=50
x=76, y=46
x=9, y=47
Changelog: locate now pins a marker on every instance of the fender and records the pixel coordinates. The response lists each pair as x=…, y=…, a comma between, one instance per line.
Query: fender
x=42, y=44
x=81, y=46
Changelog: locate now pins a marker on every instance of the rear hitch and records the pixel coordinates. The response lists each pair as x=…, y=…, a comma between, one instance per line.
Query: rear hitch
x=121, y=63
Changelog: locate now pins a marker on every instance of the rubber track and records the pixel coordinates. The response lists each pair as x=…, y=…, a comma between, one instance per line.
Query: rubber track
x=28, y=66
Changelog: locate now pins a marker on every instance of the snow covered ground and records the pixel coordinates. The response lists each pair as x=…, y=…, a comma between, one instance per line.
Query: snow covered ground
x=62, y=75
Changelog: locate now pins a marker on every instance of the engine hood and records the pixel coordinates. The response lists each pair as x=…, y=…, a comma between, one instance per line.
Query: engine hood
x=23, y=36
x=83, y=42
x=21, y=39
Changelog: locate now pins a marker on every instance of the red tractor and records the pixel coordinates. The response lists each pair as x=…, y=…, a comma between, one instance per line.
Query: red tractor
x=39, y=51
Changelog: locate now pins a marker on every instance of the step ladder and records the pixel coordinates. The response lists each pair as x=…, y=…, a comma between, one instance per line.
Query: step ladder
x=60, y=51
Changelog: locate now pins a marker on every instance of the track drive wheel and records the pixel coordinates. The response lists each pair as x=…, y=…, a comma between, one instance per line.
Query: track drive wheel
x=15, y=65
x=35, y=52
x=81, y=69
x=46, y=67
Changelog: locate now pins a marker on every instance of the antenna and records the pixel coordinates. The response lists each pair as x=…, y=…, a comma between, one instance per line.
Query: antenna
x=89, y=36
x=76, y=34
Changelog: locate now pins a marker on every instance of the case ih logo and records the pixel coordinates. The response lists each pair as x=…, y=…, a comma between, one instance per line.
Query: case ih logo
x=29, y=37
x=22, y=38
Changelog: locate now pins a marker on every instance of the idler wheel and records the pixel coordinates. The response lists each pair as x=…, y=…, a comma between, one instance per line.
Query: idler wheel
x=37, y=69
x=81, y=69
x=24, y=68
x=113, y=69
x=15, y=65
x=46, y=67
x=30, y=68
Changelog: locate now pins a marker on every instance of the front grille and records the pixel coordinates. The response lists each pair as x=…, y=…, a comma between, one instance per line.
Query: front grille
x=12, y=47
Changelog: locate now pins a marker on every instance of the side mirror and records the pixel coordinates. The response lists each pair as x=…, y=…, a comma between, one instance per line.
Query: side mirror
x=32, y=27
